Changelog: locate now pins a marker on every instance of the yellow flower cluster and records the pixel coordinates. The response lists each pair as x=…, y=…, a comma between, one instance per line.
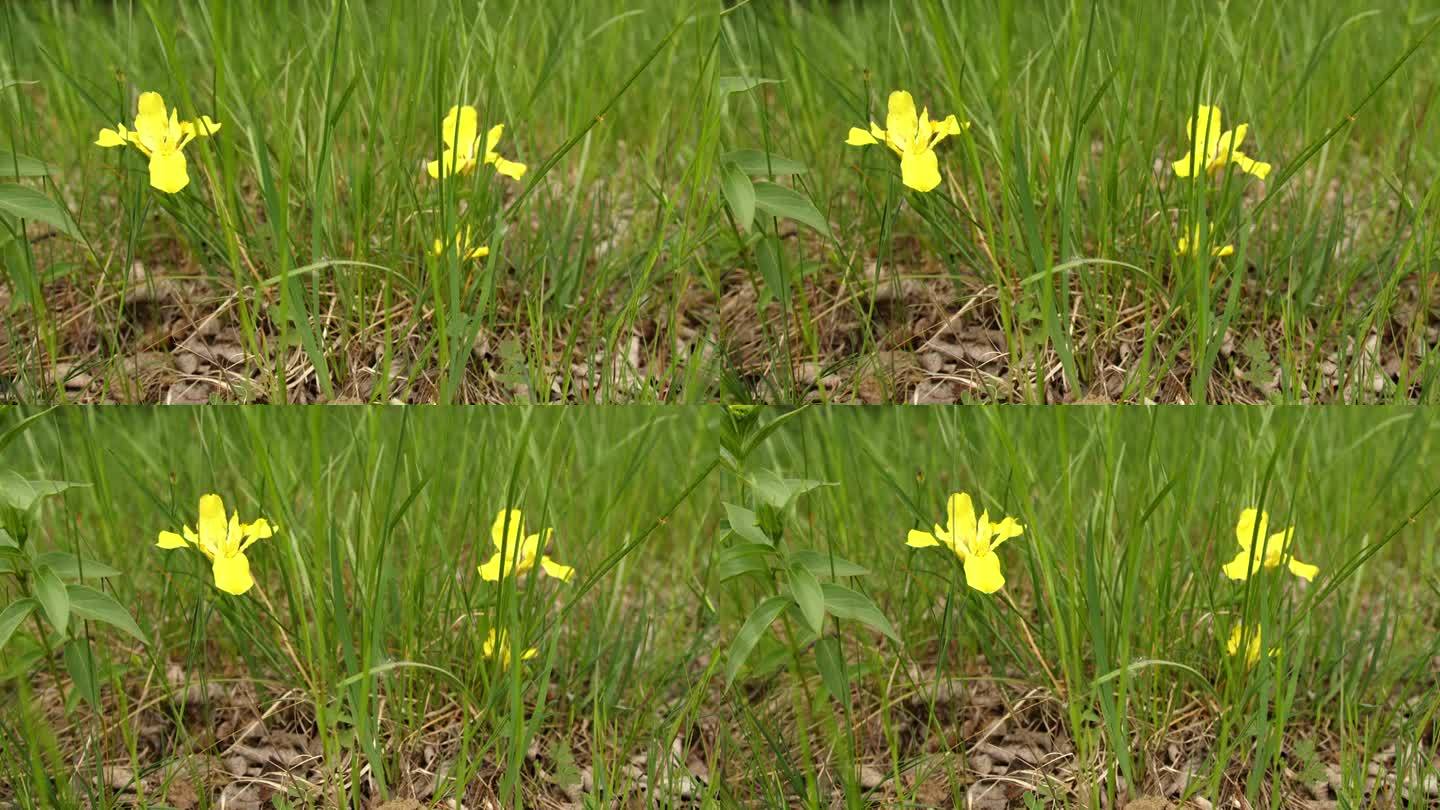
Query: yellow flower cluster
x=1211, y=150
x=973, y=539
x=161, y=136
x=913, y=138
x=224, y=543
x=463, y=152
x=1260, y=551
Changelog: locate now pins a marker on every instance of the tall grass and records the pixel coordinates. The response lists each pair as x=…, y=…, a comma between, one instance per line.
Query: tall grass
x=619, y=272
x=369, y=615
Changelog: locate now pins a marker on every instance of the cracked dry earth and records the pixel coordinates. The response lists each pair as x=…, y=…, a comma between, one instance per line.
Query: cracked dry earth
x=237, y=744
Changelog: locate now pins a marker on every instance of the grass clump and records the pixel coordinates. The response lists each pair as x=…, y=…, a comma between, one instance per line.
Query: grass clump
x=728, y=607
x=658, y=202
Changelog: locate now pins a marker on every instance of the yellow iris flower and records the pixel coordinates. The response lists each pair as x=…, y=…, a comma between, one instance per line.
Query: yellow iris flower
x=162, y=137
x=1249, y=638
x=1184, y=245
x=223, y=543
x=973, y=539
x=523, y=551
x=462, y=247
x=461, y=132
x=911, y=137
x=1211, y=150
x=1274, y=549
x=503, y=647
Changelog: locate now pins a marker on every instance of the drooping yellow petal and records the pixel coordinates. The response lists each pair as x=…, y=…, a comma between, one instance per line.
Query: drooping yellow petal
x=490, y=569
x=919, y=539
x=1183, y=165
x=1246, y=164
x=259, y=530
x=170, y=540
x=168, y=171
x=857, y=137
x=556, y=570
x=1004, y=530
x=111, y=137
x=232, y=574
x=509, y=168
x=982, y=572
x=947, y=127
x=920, y=170
x=1240, y=568
x=1305, y=571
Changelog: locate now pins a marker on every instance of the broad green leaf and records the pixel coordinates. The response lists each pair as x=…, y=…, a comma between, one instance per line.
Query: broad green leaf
x=11, y=617
x=14, y=166
x=49, y=591
x=819, y=564
x=740, y=84
x=744, y=523
x=739, y=194
x=22, y=493
x=832, y=668
x=27, y=203
x=780, y=492
x=848, y=604
x=77, y=663
x=67, y=566
x=742, y=558
x=788, y=203
x=20, y=427
x=6, y=566
x=767, y=261
x=770, y=427
x=749, y=635
x=754, y=162
x=6, y=541
x=808, y=596
x=99, y=606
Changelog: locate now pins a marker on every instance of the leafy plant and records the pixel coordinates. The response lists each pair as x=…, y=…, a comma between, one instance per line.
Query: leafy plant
x=788, y=580
x=52, y=585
